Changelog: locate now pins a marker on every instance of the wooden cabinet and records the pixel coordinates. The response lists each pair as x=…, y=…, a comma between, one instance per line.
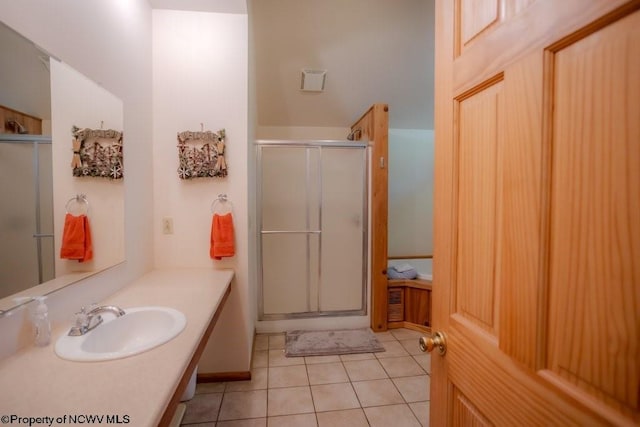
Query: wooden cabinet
x=395, y=313
x=409, y=304
x=417, y=306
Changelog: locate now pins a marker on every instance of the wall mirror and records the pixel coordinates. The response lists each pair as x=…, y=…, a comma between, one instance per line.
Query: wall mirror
x=41, y=99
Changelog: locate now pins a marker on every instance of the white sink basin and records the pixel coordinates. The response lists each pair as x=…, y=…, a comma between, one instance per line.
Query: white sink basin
x=139, y=330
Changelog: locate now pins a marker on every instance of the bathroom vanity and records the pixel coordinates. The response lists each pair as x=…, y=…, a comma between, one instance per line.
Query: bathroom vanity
x=141, y=390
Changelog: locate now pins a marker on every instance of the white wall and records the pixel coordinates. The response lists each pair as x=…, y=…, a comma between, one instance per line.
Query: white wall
x=411, y=154
x=200, y=75
x=109, y=42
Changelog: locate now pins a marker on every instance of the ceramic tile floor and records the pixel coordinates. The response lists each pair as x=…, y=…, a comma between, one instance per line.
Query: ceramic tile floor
x=370, y=389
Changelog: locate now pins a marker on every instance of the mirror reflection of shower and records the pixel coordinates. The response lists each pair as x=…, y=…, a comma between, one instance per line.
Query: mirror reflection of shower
x=27, y=250
x=26, y=189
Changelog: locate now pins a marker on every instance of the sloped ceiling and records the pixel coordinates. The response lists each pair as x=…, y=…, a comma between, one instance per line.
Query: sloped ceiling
x=374, y=51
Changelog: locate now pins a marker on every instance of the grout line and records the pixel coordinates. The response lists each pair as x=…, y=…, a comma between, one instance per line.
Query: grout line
x=220, y=405
x=358, y=399
x=349, y=380
x=313, y=401
x=266, y=403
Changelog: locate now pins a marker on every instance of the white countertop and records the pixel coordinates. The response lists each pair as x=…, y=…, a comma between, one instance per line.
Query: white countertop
x=35, y=382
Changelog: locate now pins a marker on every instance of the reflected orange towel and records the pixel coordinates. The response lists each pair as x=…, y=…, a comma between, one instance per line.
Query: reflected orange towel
x=76, y=239
x=222, y=237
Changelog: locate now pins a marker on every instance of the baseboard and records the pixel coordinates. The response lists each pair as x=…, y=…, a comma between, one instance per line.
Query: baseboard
x=409, y=325
x=219, y=377
x=416, y=327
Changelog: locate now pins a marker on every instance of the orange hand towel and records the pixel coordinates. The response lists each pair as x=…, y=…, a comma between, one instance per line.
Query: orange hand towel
x=222, y=237
x=76, y=239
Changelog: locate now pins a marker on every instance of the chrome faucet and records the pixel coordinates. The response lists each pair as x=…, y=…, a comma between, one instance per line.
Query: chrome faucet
x=87, y=321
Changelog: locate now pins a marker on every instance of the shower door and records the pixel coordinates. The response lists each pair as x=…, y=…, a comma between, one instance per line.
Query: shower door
x=26, y=212
x=313, y=229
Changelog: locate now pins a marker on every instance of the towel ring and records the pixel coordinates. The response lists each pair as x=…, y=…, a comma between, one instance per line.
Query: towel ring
x=81, y=201
x=221, y=202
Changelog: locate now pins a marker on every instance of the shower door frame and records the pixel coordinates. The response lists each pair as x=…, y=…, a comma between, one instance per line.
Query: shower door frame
x=341, y=144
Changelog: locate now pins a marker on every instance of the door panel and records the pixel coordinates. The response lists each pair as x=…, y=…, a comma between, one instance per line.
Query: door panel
x=475, y=17
x=475, y=288
x=595, y=238
x=521, y=210
x=500, y=390
x=537, y=208
x=287, y=197
x=417, y=306
x=288, y=277
x=465, y=413
x=343, y=224
x=514, y=7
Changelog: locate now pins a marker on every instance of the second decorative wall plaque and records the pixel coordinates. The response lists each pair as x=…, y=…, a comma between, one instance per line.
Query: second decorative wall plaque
x=201, y=154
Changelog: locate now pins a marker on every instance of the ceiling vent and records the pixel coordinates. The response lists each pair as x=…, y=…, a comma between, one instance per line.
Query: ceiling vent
x=313, y=80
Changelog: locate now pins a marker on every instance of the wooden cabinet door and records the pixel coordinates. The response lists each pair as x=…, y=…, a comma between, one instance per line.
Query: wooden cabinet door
x=537, y=212
x=417, y=306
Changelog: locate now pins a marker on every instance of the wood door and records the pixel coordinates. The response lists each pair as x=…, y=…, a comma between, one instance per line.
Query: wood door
x=537, y=212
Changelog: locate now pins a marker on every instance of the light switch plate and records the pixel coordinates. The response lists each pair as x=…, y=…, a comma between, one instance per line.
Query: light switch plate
x=167, y=225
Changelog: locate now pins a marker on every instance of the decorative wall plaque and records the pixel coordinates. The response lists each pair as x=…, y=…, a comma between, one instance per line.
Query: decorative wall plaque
x=97, y=153
x=201, y=154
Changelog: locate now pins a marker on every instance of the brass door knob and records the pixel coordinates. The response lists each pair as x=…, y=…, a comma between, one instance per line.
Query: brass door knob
x=427, y=344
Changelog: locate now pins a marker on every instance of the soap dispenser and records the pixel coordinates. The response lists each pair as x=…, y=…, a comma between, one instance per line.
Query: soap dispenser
x=42, y=323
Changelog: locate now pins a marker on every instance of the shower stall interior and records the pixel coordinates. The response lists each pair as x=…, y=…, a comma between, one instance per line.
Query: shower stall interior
x=312, y=228
x=26, y=212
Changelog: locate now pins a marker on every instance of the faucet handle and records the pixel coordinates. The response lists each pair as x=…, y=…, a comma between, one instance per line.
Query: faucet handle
x=81, y=323
x=81, y=317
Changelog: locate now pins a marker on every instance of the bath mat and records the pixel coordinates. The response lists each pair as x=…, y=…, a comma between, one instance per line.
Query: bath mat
x=324, y=343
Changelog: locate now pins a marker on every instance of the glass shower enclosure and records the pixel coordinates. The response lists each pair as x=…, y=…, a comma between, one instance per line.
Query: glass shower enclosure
x=312, y=230
x=26, y=212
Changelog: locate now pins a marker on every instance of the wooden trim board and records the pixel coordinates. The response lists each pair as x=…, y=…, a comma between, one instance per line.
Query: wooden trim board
x=406, y=283
x=409, y=325
x=374, y=127
x=182, y=385
x=409, y=256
